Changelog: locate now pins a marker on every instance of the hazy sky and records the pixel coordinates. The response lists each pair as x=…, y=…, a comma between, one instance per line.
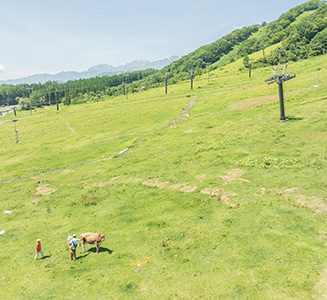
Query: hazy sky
x=40, y=36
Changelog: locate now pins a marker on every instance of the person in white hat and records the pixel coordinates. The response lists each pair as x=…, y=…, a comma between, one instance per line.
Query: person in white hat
x=38, y=249
x=73, y=245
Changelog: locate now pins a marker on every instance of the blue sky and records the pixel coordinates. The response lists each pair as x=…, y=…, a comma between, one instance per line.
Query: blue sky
x=39, y=36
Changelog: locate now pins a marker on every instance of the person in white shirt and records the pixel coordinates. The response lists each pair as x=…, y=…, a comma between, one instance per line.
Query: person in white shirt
x=73, y=245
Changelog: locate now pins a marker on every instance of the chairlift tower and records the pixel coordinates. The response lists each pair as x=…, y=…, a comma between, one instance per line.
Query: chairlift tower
x=191, y=70
x=16, y=132
x=29, y=96
x=250, y=63
x=280, y=55
x=279, y=77
x=57, y=100
x=316, y=80
x=125, y=85
x=208, y=65
x=166, y=78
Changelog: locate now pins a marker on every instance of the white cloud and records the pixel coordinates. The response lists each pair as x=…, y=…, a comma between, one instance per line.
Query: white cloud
x=2, y=69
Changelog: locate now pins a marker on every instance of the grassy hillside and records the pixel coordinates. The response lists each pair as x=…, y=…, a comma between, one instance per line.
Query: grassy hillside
x=227, y=203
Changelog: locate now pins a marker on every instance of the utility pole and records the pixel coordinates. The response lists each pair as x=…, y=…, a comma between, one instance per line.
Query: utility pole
x=166, y=77
x=316, y=81
x=16, y=132
x=279, y=79
x=191, y=70
x=208, y=65
x=250, y=63
x=263, y=50
x=126, y=87
x=279, y=51
x=29, y=96
x=57, y=100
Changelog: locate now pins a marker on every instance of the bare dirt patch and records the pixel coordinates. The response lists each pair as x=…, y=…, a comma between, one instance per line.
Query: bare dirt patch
x=223, y=196
x=201, y=177
x=35, y=201
x=284, y=193
x=65, y=172
x=103, y=184
x=263, y=191
x=133, y=180
x=287, y=192
x=252, y=102
x=234, y=175
x=156, y=183
x=312, y=202
x=184, y=187
x=44, y=190
x=185, y=113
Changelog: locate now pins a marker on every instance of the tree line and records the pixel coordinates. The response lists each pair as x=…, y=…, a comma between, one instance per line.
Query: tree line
x=71, y=92
x=302, y=32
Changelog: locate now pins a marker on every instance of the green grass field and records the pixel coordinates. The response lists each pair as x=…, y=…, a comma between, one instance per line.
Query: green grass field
x=229, y=203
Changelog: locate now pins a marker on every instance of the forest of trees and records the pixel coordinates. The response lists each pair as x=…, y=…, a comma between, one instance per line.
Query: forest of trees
x=208, y=53
x=300, y=38
x=71, y=92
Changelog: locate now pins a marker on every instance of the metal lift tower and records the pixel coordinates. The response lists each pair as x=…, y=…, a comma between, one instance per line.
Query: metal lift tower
x=279, y=77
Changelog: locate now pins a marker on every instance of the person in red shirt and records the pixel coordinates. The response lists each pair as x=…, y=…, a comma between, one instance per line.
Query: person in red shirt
x=38, y=249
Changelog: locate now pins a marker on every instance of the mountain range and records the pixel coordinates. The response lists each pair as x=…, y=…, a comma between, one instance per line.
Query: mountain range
x=95, y=71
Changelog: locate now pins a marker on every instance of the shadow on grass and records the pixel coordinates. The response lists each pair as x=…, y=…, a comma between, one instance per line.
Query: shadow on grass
x=292, y=119
x=102, y=249
x=46, y=256
x=82, y=256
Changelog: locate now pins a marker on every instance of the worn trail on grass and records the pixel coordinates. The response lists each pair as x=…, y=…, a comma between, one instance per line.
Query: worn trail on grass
x=185, y=113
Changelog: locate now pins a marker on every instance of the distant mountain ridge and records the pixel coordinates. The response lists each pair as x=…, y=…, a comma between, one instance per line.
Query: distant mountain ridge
x=98, y=70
